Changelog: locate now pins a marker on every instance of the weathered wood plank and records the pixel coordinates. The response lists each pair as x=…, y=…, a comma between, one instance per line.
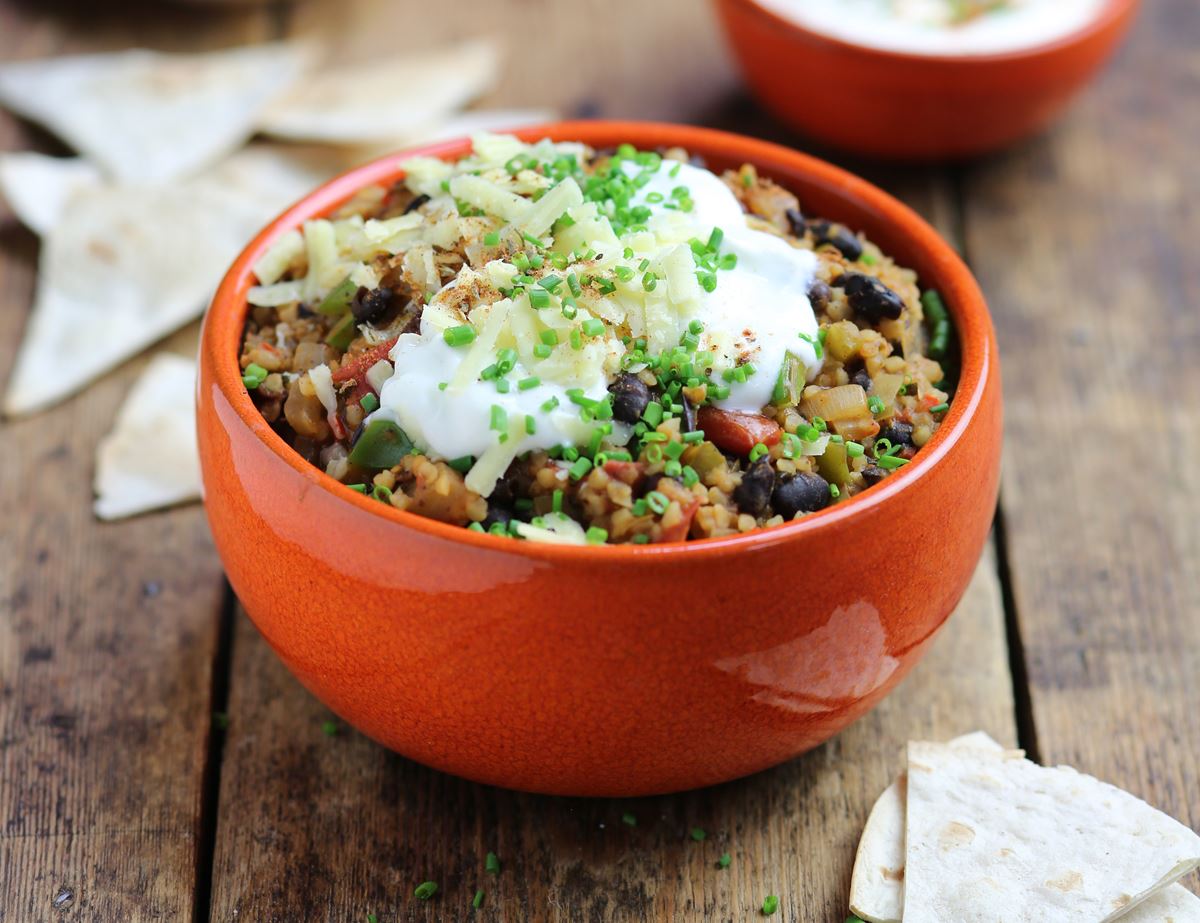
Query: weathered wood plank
x=1085, y=241
x=643, y=60
x=108, y=633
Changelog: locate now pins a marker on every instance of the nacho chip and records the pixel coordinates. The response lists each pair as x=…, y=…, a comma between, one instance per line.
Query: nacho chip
x=147, y=117
x=1175, y=904
x=126, y=265
x=993, y=836
x=391, y=97
x=37, y=188
x=877, y=885
x=149, y=459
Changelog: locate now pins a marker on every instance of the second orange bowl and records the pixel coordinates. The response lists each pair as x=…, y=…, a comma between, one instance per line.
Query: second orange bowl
x=911, y=106
x=625, y=670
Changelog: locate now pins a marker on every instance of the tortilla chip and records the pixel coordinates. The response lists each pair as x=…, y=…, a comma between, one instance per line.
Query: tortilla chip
x=1175, y=904
x=995, y=837
x=877, y=885
x=149, y=459
x=147, y=117
x=391, y=97
x=126, y=265
x=37, y=188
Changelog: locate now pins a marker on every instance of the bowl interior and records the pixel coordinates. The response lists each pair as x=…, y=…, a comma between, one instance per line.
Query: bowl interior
x=823, y=190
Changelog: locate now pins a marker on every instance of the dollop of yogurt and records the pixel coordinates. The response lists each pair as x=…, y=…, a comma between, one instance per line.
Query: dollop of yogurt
x=758, y=313
x=928, y=26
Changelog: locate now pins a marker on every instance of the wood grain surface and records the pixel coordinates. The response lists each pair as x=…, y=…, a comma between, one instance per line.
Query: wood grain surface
x=108, y=633
x=1086, y=243
x=121, y=801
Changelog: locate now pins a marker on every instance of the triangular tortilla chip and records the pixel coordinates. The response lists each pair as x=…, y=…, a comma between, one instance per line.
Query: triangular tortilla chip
x=877, y=885
x=993, y=837
x=126, y=265
x=37, y=188
x=390, y=97
x=1175, y=904
x=149, y=459
x=147, y=117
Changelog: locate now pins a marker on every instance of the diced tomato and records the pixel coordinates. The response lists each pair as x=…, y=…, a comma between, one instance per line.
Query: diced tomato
x=627, y=472
x=679, y=531
x=737, y=432
x=335, y=424
x=361, y=364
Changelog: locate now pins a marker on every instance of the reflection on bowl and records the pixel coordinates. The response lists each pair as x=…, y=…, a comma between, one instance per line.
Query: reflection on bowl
x=611, y=670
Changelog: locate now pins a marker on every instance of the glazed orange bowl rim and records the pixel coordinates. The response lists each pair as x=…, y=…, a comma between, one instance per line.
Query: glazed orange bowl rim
x=1112, y=11
x=225, y=322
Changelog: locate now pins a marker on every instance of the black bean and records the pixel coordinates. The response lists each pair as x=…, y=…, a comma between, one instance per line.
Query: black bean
x=840, y=236
x=870, y=297
x=497, y=513
x=754, y=493
x=873, y=475
x=863, y=380
x=371, y=304
x=819, y=294
x=897, y=433
x=800, y=493
x=689, y=415
x=630, y=397
x=416, y=203
x=795, y=219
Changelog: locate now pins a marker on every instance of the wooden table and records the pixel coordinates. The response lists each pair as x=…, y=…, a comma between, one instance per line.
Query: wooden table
x=121, y=799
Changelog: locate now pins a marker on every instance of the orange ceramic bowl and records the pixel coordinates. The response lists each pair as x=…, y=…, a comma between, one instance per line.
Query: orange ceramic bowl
x=913, y=106
x=620, y=670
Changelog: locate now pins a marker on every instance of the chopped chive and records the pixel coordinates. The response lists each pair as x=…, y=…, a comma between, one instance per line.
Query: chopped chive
x=491, y=239
x=649, y=281
x=694, y=436
x=549, y=337
x=690, y=477
x=329, y=728
x=503, y=385
x=596, y=536
x=462, y=465
x=556, y=502
x=770, y=905
x=539, y=298
x=425, y=890
x=758, y=452
x=550, y=282
x=254, y=375
x=573, y=284
x=491, y=862
x=361, y=488
x=580, y=467
x=569, y=310
x=657, y=502
x=875, y=404
x=628, y=819
x=939, y=408
x=460, y=335
x=855, y=449
x=549, y=404
x=724, y=861
x=499, y=419
x=576, y=339
x=698, y=834
x=890, y=462
x=593, y=327
x=530, y=425
x=369, y=403
x=371, y=918
x=526, y=384
x=543, y=350
x=477, y=901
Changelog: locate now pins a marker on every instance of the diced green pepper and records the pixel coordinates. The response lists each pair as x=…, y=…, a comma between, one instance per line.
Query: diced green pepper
x=381, y=445
x=832, y=465
x=338, y=300
x=342, y=333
